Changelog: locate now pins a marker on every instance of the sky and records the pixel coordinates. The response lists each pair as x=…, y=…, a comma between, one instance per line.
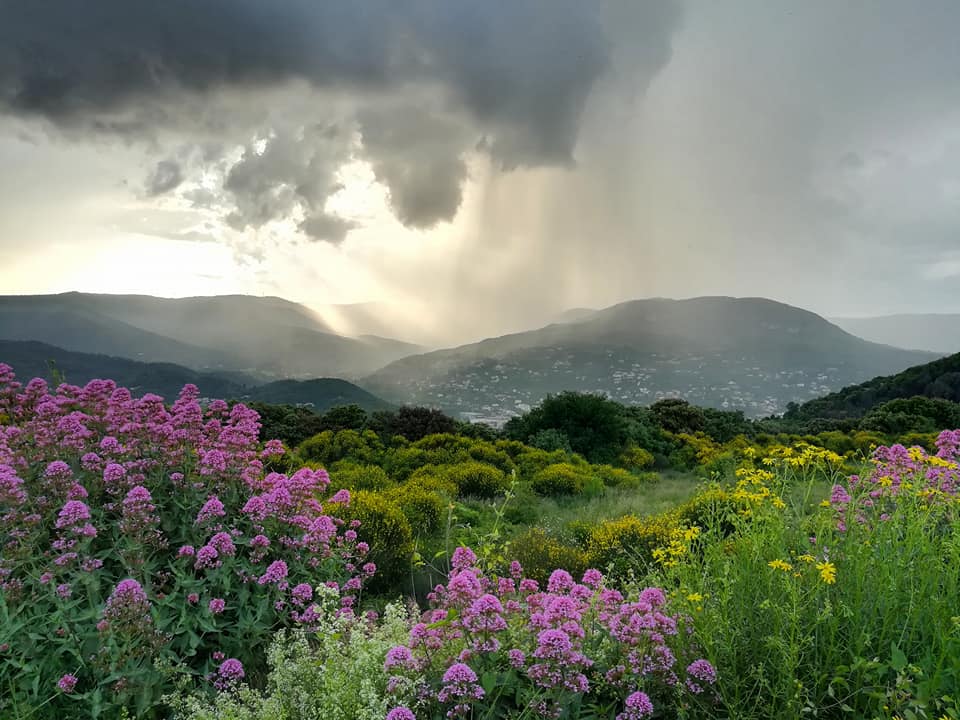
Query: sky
x=477, y=167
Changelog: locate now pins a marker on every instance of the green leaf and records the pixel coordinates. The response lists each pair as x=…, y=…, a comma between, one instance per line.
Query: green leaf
x=898, y=661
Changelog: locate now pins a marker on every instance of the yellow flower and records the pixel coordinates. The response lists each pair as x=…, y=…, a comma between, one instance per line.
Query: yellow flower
x=828, y=572
x=780, y=565
x=806, y=558
x=695, y=597
x=824, y=503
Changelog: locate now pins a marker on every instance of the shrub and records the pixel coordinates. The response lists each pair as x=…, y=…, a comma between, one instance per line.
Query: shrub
x=134, y=533
x=424, y=509
x=335, y=674
x=474, y=479
x=435, y=479
x=497, y=647
x=540, y=553
x=628, y=542
x=532, y=460
x=561, y=479
x=385, y=528
x=615, y=477
x=636, y=458
x=329, y=447
x=351, y=476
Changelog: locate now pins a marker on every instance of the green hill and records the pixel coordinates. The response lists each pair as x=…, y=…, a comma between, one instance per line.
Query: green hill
x=937, y=379
x=748, y=354
x=32, y=359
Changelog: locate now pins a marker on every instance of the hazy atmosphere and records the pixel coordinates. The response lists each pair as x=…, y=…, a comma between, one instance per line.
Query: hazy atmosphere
x=496, y=162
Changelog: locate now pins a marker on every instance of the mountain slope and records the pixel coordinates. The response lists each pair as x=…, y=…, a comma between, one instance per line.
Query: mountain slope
x=936, y=332
x=31, y=359
x=937, y=379
x=267, y=335
x=745, y=353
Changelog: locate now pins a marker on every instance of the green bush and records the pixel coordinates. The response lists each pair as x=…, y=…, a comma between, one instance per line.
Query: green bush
x=616, y=477
x=533, y=460
x=335, y=674
x=540, y=554
x=435, y=479
x=474, y=479
x=386, y=529
x=424, y=508
x=330, y=447
x=561, y=479
x=359, y=477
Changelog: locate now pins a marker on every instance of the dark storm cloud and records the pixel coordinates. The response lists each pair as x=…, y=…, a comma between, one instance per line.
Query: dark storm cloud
x=166, y=176
x=511, y=78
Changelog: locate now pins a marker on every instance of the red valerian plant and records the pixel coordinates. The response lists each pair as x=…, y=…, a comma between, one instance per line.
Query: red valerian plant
x=504, y=647
x=137, y=537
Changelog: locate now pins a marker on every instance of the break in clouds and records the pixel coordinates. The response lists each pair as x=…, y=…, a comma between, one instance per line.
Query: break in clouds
x=410, y=86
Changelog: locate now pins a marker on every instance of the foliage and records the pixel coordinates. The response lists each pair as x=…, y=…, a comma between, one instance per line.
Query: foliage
x=678, y=416
x=334, y=673
x=475, y=479
x=818, y=613
x=501, y=647
x=596, y=427
x=423, y=507
x=413, y=423
x=937, y=379
x=384, y=527
x=137, y=537
x=540, y=553
x=561, y=479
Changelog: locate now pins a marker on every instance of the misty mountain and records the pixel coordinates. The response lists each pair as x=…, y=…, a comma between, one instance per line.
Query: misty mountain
x=741, y=353
x=937, y=379
x=267, y=336
x=32, y=359
x=935, y=332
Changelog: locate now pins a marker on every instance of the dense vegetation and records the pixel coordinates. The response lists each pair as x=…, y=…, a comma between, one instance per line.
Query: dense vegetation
x=937, y=379
x=627, y=562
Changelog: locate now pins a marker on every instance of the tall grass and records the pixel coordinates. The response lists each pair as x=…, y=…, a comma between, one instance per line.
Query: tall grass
x=880, y=639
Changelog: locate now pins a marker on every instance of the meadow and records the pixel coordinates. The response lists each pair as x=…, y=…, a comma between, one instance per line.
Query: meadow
x=590, y=562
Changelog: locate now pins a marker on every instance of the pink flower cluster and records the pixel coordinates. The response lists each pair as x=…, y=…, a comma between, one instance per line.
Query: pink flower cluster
x=141, y=502
x=573, y=639
x=934, y=479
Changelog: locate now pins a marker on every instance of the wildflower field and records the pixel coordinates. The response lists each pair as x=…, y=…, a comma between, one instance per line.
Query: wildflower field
x=165, y=560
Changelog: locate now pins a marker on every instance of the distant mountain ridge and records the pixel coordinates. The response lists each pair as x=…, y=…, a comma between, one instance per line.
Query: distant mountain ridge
x=937, y=332
x=744, y=353
x=30, y=359
x=267, y=336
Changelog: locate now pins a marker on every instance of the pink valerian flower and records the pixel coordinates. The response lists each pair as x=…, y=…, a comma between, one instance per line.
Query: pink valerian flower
x=73, y=513
x=460, y=688
x=193, y=598
x=207, y=557
x=592, y=578
x=12, y=491
x=484, y=615
x=272, y=448
x=517, y=658
x=186, y=551
x=400, y=713
x=463, y=559
x=276, y=571
x=229, y=674
x=341, y=497
x=223, y=543
x=399, y=657
x=703, y=671
x=67, y=683
x=218, y=655
x=217, y=605
x=128, y=606
x=64, y=591
x=211, y=510
x=636, y=707
x=302, y=594
x=139, y=519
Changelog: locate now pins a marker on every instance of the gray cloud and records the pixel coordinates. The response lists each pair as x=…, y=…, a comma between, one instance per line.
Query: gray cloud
x=511, y=78
x=166, y=176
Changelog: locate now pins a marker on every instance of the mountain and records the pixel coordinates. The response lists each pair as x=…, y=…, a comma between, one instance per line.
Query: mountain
x=31, y=359
x=742, y=353
x=936, y=332
x=937, y=379
x=270, y=336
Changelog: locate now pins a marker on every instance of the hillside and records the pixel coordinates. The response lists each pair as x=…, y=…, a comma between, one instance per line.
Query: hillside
x=936, y=332
x=741, y=353
x=270, y=336
x=937, y=379
x=31, y=359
